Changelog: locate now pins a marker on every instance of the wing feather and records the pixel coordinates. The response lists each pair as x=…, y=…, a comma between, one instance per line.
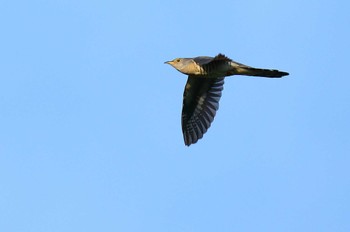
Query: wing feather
x=200, y=103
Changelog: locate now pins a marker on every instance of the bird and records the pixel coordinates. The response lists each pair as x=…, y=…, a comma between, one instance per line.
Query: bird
x=204, y=87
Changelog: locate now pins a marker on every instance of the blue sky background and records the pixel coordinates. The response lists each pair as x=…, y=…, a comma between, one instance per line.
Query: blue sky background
x=90, y=135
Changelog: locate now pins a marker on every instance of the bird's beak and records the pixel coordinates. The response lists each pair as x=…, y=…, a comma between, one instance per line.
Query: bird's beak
x=167, y=62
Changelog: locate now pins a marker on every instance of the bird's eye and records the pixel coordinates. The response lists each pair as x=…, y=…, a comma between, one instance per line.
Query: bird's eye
x=177, y=60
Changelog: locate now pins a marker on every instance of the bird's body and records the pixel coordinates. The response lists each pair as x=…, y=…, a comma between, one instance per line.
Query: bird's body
x=204, y=88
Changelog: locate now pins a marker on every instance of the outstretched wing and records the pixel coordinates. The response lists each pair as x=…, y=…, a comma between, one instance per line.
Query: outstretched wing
x=200, y=103
x=204, y=60
x=213, y=67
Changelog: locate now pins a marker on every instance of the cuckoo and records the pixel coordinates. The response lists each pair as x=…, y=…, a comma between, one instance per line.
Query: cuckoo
x=203, y=89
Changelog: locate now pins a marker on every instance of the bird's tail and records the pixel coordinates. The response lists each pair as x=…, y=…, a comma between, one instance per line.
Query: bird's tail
x=249, y=71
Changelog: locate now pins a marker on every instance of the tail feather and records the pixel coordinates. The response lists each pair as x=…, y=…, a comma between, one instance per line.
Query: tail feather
x=249, y=71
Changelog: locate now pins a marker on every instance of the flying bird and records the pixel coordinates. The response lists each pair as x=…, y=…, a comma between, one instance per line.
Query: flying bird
x=204, y=87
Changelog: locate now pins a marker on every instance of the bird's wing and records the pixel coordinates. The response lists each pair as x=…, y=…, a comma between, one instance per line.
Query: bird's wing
x=200, y=103
x=203, y=60
x=217, y=66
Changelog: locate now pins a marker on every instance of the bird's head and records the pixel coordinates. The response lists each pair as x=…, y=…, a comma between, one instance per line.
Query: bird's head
x=180, y=64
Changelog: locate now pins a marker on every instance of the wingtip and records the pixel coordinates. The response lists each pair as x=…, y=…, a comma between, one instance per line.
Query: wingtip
x=221, y=56
x=187, y=144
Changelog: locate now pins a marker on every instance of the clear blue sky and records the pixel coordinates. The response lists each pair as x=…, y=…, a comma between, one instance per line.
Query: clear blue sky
x=90, y=134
